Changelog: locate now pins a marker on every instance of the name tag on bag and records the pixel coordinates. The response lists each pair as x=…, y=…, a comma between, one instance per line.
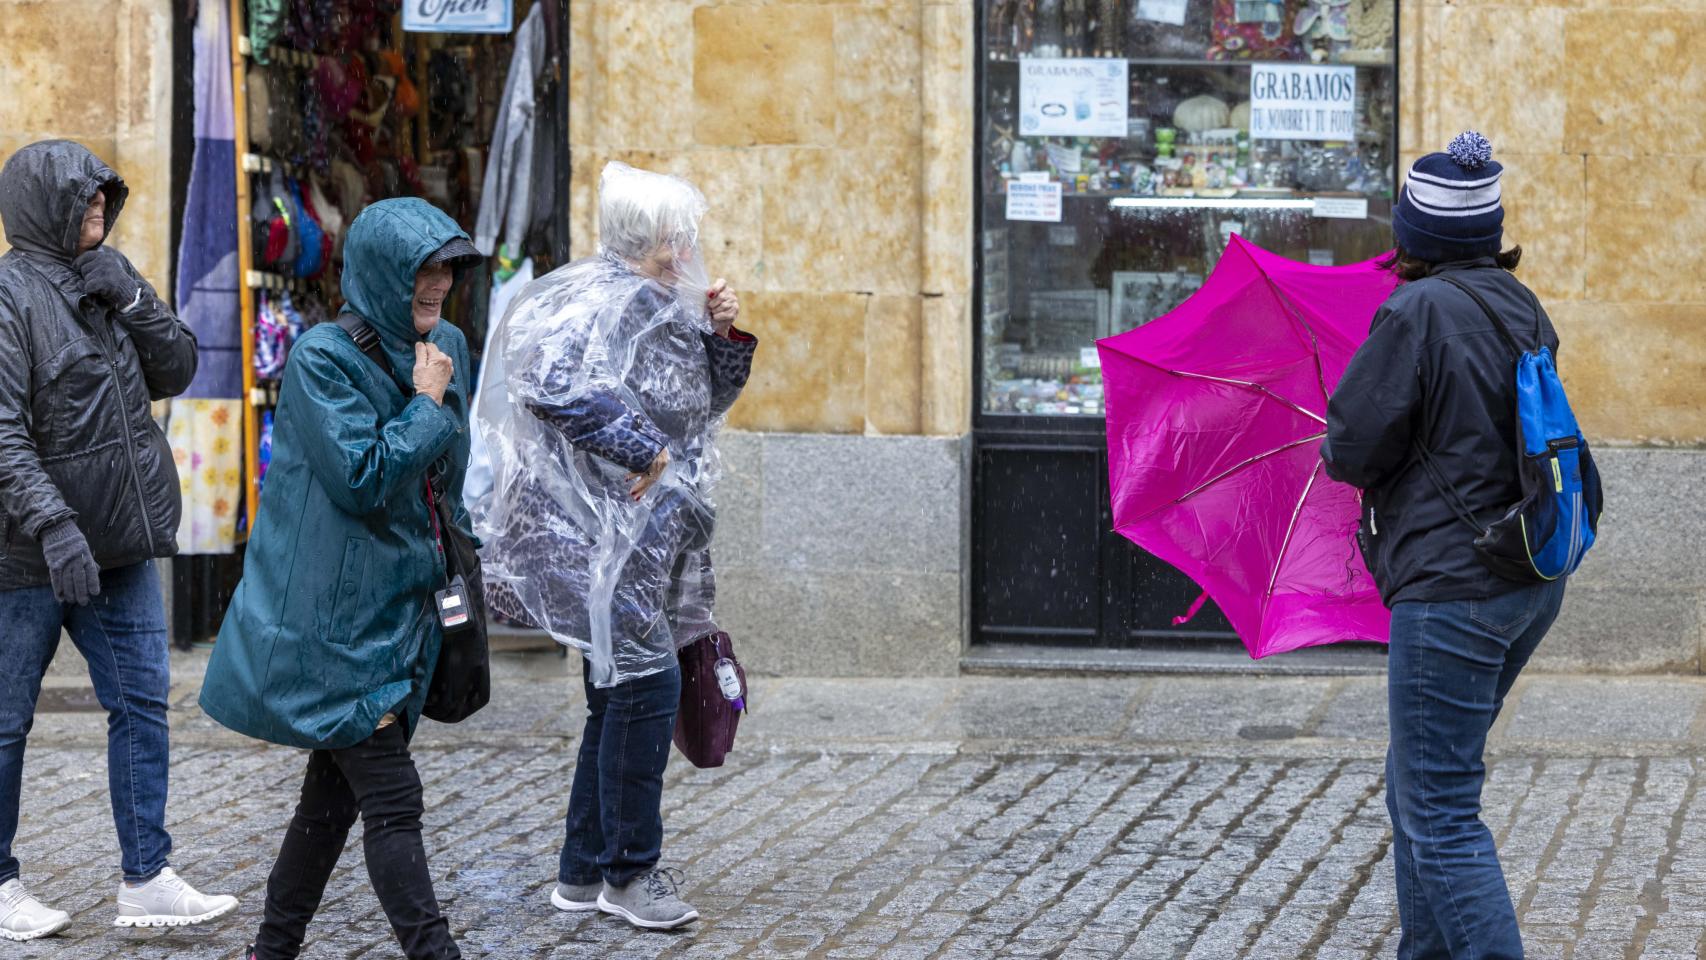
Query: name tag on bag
x=452, y=604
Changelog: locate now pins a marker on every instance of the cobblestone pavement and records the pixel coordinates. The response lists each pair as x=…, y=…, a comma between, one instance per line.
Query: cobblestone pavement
x=1198, y=818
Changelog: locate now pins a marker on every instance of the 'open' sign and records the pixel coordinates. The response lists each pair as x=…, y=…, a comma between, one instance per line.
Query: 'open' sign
x=458, y=16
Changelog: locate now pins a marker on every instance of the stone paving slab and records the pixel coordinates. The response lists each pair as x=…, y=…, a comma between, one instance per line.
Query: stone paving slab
x=983, y=817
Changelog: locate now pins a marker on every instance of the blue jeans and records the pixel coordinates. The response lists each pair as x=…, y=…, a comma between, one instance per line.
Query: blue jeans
x=1450, y=667
x=122, y=634
x=615, y=822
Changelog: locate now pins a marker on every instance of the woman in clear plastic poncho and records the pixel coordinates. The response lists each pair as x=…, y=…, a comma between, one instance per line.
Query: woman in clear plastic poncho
x=606, y=381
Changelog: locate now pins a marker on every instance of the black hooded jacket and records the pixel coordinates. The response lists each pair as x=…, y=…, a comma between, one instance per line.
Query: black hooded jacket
x=1435, y=372
x=76, y=437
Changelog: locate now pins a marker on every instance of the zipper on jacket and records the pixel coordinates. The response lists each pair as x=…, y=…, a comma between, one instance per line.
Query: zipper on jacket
x=111, y=350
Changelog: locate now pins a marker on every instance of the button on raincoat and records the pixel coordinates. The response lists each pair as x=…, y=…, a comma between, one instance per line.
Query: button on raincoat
x=332, y=626
x=593, y=371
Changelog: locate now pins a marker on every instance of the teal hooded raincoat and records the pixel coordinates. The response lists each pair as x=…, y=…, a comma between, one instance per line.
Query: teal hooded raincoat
x=332, y=625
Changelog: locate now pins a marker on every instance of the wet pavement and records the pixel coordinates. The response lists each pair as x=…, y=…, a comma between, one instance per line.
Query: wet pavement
x=1168, y=816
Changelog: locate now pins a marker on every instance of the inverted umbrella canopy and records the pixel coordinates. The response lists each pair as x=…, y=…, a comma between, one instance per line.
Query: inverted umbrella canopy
x=1216, y=413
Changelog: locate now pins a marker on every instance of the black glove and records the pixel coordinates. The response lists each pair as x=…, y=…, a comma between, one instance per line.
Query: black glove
x=75, y=575
x=107, y=278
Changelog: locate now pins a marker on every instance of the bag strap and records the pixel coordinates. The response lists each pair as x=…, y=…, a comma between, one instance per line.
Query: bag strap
x=366, y=338
x=1504, y=331
x=367, y=341
x=1453, y=499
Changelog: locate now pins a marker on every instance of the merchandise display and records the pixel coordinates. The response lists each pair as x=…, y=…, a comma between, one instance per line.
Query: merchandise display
x=1271, y=119
x=338, y=107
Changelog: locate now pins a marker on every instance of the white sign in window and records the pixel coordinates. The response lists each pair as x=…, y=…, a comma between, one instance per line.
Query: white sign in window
x=1341, y=208
x=1071, y=98
x=458, y=16
x=1030, y=200
x=1293, y=102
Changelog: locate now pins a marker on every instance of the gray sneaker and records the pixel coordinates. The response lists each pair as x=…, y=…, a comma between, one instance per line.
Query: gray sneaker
x=651, y=902
x=576, y=897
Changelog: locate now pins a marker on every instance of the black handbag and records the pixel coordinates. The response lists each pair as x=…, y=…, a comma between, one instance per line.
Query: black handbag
x=462, y=678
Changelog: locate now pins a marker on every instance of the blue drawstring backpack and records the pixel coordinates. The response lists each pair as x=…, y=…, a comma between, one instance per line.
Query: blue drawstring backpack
x=1545, y=535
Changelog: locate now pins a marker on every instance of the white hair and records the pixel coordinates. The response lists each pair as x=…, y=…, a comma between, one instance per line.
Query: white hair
x=639, y=211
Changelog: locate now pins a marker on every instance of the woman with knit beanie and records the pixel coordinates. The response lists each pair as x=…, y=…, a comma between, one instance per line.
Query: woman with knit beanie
x=1424, y=423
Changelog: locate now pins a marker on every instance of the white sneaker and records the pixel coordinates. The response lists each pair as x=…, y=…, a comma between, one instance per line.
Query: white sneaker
x=167, y=901
x=22, y=916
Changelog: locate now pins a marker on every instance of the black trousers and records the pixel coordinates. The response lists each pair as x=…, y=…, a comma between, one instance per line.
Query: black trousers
x=375, y=779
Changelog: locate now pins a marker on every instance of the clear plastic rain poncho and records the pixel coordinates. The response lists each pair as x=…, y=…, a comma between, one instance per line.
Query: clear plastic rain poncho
x=593, y=370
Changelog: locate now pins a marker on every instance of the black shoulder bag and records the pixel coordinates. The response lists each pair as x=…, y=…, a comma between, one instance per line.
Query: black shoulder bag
x=462, y=679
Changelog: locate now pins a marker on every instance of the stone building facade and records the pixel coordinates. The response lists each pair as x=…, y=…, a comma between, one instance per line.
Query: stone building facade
x=835, y=143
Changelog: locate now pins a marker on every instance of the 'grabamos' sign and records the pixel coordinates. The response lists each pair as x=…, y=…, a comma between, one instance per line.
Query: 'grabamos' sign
x=1291, y=102
x=458, y=16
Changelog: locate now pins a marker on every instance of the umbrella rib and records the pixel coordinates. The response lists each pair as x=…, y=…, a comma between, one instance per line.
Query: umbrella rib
x=1253, y=386
x=1314, y=340
x=1290, y=530
x=1232, y=470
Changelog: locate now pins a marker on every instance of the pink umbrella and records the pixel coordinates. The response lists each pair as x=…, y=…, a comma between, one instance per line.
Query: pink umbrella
x=1216, y=413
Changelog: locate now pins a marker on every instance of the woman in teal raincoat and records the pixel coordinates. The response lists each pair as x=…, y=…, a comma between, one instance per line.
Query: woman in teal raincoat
x=331, y=637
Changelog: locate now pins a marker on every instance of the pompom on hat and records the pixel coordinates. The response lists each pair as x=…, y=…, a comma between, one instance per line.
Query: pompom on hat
x=1450, y=206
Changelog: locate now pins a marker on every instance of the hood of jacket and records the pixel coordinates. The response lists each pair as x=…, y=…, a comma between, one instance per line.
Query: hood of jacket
x=44, y=190
x=385, y=248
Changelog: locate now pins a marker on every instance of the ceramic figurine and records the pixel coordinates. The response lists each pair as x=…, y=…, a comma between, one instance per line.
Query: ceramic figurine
x=1002, y=14
x=1110, y=29
x=1371, y=31
x=1165, y=138
x=1324, y=27
x=1075, y=27
x=1045, y=27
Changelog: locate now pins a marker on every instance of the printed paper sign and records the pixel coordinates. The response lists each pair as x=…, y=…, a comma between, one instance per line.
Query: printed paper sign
x=1342, y=208
x=1162, y=11
x=458, y=16
x=1071, y=98
x=1028, y=200
x=1292, y=102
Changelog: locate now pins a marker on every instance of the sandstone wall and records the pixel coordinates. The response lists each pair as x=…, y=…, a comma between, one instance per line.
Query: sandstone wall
x=99, y=72
x=833, y=141
x=1593, y=107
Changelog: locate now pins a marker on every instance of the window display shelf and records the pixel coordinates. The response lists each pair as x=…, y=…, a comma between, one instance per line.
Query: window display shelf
x=1218, y=64
x=1137, y=168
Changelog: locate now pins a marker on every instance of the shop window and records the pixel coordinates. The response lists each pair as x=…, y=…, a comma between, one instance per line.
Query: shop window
x=1124, y=141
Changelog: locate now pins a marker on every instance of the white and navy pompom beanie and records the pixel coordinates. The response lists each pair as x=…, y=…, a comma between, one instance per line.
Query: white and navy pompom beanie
x=1449, y=208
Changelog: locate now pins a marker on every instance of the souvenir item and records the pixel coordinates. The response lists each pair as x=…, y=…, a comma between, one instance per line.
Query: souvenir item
x=1003, y=16
x=1253, y=30
x=1044, y=38
x=260, y=107
x=1165, y=138
x=1110, y=29
x=1152, y=38
x=1075, y=28
x=1199, y=114
x=1371, y=25
x=1323, y=26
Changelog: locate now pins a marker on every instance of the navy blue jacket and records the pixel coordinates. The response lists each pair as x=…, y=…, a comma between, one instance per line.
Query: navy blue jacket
x=1434, y=372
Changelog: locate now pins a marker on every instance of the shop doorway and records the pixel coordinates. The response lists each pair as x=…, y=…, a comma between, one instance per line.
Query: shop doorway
x=1118, y=149
x=336, y=106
